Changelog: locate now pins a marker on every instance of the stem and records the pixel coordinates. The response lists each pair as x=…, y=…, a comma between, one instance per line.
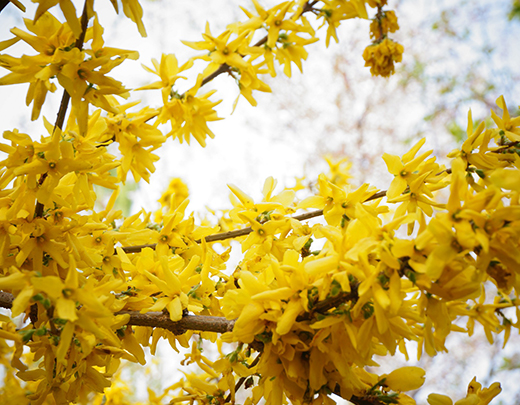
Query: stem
x=244, y=231
x=224, y=68
x=60, y=119
x=203, y=323
x=379, y=17
x=64, y=105
x=331, y=302
x=242, y=380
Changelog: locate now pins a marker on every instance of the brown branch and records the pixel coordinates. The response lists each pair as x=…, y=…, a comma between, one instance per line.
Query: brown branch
x=223, y=235
x=202, y=323
x=162, y=320
x=6, y=300
x=222, y=69
x=331, y=302
x=64, y=105
x=60, y=119
x=244, y=231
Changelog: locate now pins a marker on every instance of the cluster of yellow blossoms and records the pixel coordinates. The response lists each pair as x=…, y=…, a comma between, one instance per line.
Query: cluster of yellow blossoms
x=88, y=288
x=382, y=54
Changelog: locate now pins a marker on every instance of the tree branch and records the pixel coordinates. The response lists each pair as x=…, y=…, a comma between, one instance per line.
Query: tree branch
x=6, y=300
x=162, y=320
x=331, y=302
x=244, y=231
x=60, y=119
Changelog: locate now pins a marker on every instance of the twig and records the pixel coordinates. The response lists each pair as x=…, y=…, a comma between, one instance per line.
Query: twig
x=244, y=231
x=242, y=380
x=331, y=302
x=226, y=68
x=60, y=119
x=6, y=300
x=188, y=322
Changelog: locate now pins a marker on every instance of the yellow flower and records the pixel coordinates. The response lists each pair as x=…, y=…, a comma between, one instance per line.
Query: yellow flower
x=83, y=77
x=172, y=198
x=339, y=170
x=509, y=127
x=220, y=51
x=275, y=22
x=248, y=82
x=168, y=70
x=338, y=204
x=271, y=206
x=292, y=51
x=189, y=115
x=380, y=57
x=382, y=26
x=136, y=140
x=335, y=11
x=405, y=379
x=53, y=160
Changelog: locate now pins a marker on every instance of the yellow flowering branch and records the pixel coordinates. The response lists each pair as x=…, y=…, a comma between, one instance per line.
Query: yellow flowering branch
x=244, y=231
x=65, y=99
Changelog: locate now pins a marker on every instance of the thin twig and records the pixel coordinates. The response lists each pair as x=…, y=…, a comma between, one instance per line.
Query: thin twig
x=244, y=231
x=64, y=105
x=332, y=302
x=224, y=68
x=242, y=380
x=60, y=119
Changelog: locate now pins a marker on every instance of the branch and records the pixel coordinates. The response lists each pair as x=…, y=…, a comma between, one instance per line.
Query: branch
x=331, y=302
x=162, y=320
x=6, y=300
x=244, y=231
x=3, y=3
x=226, y=68
x=60, y=119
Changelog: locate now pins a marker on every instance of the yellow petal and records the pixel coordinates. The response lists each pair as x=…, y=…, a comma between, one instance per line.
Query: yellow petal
x=69, y=11
x=243, y=197
x=175, y=309
x=66, y=309
x=130, y=343
x=12, y=281
x=405, y=379
x=439, y=399
x=65, y=339
x=50, y=285
x=21, y=301
x=288, y=318
x=393, y=163
x=8, y=42
x=506, y=178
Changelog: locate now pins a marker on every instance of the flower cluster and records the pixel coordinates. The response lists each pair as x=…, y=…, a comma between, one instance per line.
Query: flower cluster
x=383, y=53
x=381, y=57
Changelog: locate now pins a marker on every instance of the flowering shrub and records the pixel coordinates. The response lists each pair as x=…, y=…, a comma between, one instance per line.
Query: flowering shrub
x=300, y=323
